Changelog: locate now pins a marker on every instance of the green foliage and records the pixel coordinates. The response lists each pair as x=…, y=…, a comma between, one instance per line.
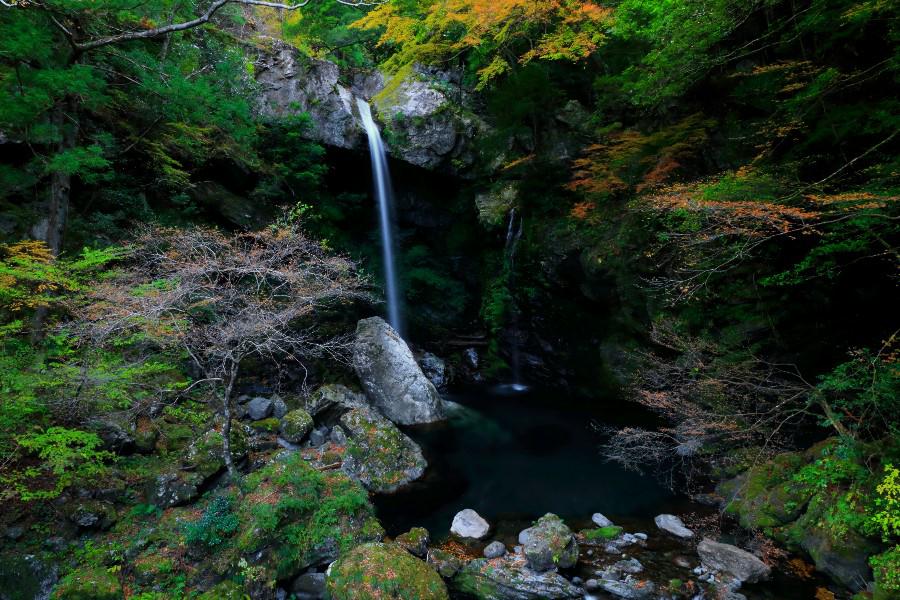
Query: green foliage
x=217, y=523
x=65, y=455
x=887, y=570
x=610, y=532
x=887, y=517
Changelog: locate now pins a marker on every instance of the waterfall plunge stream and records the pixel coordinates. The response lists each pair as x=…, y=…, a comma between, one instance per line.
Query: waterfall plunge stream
x=385, y=196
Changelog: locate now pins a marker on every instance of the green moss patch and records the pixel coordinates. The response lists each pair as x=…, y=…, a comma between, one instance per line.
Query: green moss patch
x=374, y=571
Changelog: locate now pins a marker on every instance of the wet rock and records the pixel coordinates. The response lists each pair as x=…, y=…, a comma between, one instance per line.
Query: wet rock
x=415, y=541
x=318, y=437
x=601, y=521
x=393, y=380
x=725, y=558
x=91, y=514
x=390, y=572
x=494, y=550
x=549, y=544
x=632, y=566
x=337, y=436
x=591, y=586
x=682, y=562
x=629, y=588
x=279, y=407
x=446, y=564
x=469, y=524
x=434, y=368
x=296, y=425
x=259, y=408
x=844, y=557
x=381, y=456
x=673, y=525
x=509, y=578
x=309, y=586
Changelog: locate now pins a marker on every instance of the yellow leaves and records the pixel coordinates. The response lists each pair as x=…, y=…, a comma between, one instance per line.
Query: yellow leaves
x=497, y=67
x=33, y=250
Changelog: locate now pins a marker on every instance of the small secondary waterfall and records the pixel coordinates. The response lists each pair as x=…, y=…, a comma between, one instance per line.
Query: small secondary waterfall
x=513, y=235
x=385, y=196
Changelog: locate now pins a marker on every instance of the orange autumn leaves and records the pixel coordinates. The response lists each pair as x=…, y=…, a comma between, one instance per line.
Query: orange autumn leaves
x=504, y=31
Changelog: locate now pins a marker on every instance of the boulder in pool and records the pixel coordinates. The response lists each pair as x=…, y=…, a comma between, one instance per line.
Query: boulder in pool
x=391, y=377
x=378, y=454
x=628, y=588
x=673, y=525
x=600, y=520
x=731, y=560
x=469, y=524
x=509, y=578
x=549, y=544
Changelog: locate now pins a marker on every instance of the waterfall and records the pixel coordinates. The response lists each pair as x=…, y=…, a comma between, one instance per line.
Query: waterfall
x=513, y=235
x=384, y=195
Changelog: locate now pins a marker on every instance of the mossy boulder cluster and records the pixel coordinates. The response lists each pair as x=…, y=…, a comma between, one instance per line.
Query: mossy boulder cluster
x=784, y=498
x=296, y=425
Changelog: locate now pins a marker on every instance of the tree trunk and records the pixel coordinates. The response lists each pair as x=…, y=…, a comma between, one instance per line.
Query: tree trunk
x=226, y=428
x=65, y=121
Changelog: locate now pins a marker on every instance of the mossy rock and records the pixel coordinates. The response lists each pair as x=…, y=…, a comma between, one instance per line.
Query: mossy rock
x=269, y=425
x=608, y=533
x=378, y=570
x=298, y=517
x=296, y=425
x=173, y=437
x=23, y=576
x=381, y=456
x=415, y=541
x=88, y=584
x=226, y=590
x=204, y=455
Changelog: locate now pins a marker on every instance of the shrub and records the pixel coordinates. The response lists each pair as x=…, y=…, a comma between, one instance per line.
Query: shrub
x=217, y=523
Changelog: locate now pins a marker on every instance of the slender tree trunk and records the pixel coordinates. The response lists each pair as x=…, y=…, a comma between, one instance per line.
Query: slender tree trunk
x=65, y=122
x=226, y=428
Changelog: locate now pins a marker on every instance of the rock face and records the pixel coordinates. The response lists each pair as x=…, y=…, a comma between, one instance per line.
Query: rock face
x=673, y=525
x=334, y=396
x=24, y=576
x=293, y=83
x=434, y=368
x=469, y=524
x=388, y=571
x=393, y=380
x=725, y=558
x=509, y=578
x=381, y=456
x=423, y=110
x=549, y=544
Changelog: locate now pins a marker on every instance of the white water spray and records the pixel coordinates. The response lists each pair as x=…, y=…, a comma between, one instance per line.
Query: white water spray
x=384, y=195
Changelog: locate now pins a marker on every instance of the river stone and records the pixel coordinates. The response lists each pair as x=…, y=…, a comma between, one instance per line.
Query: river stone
x=673, y=525
x=630, y=589
x=725, y=558
x=259, y=409
x=295, y=425
x=392, y=379
x=631, y=565
x=434, y=368
x=494, y=550
x=509, y=578
x=381, y=456
x=469, y=524
x=309, y=586
x=549, y=544
x=318, y=437
x=600, y=520
x=279, y=408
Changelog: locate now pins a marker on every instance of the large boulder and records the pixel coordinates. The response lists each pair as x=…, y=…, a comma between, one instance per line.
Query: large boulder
x=393, y=380
x=509, y=578
x=334, y=396
x=379, y=570
x=549, y=544
x=731, y=560
x=379, y=455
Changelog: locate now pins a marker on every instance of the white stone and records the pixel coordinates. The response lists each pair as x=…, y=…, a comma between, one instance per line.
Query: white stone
x=674, y=525
x=469, y=524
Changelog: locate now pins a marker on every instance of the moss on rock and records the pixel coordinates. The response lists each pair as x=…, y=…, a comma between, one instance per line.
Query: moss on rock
x=88, y=584
x=226, y=590
x=295, y=425
x=378, y=570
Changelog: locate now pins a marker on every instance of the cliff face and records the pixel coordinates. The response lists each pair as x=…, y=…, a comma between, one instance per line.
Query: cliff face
x=423, y=112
